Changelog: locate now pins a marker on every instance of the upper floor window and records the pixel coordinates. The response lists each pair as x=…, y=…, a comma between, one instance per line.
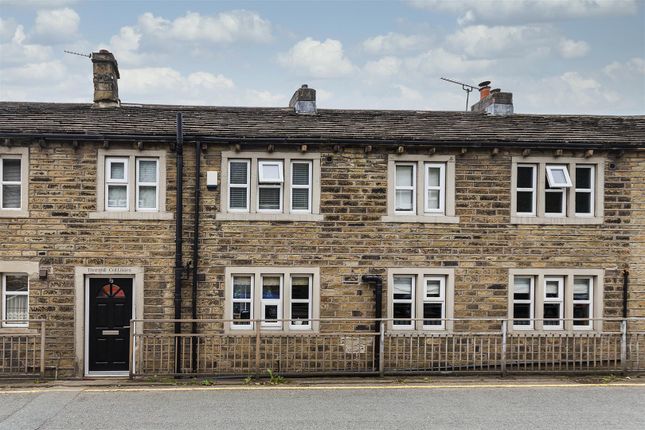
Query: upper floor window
x=283, y=299
x=421, y=189
x=554, y=190
x=258, y=186
x=553, y=299
x=13, y=182
x=131, y=184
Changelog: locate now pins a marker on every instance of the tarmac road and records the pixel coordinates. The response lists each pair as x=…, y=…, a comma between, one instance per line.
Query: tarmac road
x=491, y=406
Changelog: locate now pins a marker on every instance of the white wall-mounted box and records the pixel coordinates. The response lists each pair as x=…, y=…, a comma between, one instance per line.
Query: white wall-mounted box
x=211, y=179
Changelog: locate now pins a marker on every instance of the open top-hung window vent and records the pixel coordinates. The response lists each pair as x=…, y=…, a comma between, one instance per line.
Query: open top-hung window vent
x=270, y=172
x=558, y=176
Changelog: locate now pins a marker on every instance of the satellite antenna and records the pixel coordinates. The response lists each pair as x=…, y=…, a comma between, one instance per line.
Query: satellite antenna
x=466, y=87
x=77, y=53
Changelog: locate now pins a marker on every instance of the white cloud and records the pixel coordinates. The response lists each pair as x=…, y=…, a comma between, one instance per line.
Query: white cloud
x=317, y=59
x=573, y=48
x=408, y=93
x=517, y=11
x=16, y=51
x=481, y=41
x=7, y=29
x=392, y=43
x=57, y=24
x=632, y=68
x=52, y=70
x=38, y=3
x=384, y=67
x=436, y=61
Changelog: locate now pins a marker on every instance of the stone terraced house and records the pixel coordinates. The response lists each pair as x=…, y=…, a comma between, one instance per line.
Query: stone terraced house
x=297, y=222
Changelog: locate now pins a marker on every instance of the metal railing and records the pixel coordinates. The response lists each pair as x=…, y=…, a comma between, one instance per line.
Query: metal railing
x=22, y=348
x=374, y=346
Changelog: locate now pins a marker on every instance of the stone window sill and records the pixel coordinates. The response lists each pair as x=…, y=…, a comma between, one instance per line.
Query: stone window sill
x=6, y=213
x=17, y=330
x=243, y=216
x=428, y=219
x=143, y=216
x=556, y=220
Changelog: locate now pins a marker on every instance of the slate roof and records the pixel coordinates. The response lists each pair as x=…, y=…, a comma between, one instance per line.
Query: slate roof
x=327, y=125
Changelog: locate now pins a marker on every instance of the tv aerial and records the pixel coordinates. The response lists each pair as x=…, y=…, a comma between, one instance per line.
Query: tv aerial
x=467, y=87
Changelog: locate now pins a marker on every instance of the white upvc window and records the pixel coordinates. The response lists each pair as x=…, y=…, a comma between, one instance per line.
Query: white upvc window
x=435, y=188
x=526, y=189
x=239, y=177
x=116, y=184
x=270, y=190
x=301, y=180
x=584, y=190
x=270, y=172
x=523, y=294
x=434, y=302
x=300, y=307
x=556, y=181
x=553, y=308
x=271, y=301
x=15, y=299
x=403, y=302
x=558, y=176
x=583, y=302
x=147, y=184
x=11, y=182
x=242, y=302
x=405, y=188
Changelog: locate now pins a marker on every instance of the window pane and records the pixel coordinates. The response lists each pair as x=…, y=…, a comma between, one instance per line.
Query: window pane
x=402, y=287
x=242, y=287
x=524, y=177
x=300, y=173
x=522, y=289
x=11, y=170
x=300, y=287
x=270, y=172
x=581, y=314
x=300, y=311
x=404, y=176
x=552, y=312
x=551, y=288
x=404, y=200
x=402, y=310
x=432, y=311
x=581, y=289
x=558, y=176
x=269, y=198
x=271, y=312
x=583, y=177
x=17, y=307
x=16, y=283
x=148, y=197
x=238, y=172
x=583, y=203
x=433, y=288
x=525, y=201
x=553, y=202
x=433, y=176
x=117, y=170
x=300, y=199
x=147, y=171
x=11, y=196
x=433, y=199
x=238, y=198
x=271, y=287
x=521, y=311
x=241, y=311
x=117, y=196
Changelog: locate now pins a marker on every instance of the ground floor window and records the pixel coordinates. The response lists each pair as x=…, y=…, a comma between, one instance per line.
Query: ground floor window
x=15, y=299
x=283, y=299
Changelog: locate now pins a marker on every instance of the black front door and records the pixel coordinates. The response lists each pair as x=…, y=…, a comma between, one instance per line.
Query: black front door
x=110, y=308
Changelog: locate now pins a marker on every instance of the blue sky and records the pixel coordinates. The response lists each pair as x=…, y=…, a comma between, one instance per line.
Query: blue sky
x=556, y=56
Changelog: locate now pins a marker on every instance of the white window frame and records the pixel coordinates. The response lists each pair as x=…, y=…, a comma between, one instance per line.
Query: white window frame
x=411, y=188
x=434, y=300
x=140, y=184
x=246, y=186
x=441, y=187
x=591, y=191
x=264, y=163
x=301, y=187
x=532, y=190
x=559, y=300
x=589, y=302
x=411, y=301
x=271, y=302
x=109, y=181
x=6, y=294
x=236, y=325
x=530, y=301
x=309, y=301
x=552, y=182
x=3, y=183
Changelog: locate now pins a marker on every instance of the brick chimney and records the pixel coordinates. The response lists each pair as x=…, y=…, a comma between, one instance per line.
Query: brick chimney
x=303, y=100
x=493, y=102
x=106, y=74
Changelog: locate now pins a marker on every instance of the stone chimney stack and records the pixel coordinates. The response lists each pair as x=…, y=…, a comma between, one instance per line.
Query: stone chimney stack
x=493, y=102
x=106, y=75
x=304, y=100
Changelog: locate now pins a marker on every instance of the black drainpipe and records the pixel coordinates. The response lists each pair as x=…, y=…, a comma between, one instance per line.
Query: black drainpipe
x=178, y=236
x=196, y=251
x=625, y=291
x=377, y=280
